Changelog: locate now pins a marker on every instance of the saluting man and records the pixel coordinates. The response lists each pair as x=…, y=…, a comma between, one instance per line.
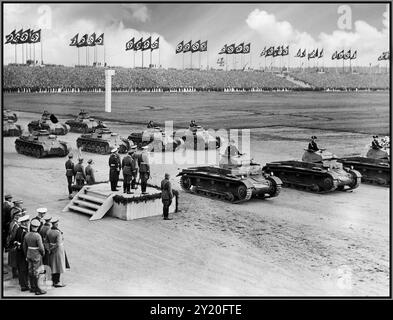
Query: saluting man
x=57, y=256
x=34, y=251
x=375, y=143
x=114, y=169
x=69, y=165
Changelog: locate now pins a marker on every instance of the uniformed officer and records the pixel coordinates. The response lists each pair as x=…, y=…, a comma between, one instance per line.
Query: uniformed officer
x=57, y=257
x=150, y=124
x=193, y=123
x=41, y=212
x=114, y=169
x=34, y=251
x=69, y=165
x=313, y=145
x=12, y=252
x=89, y=171
x=134, y=167
x=166, y=195
x=17, y=207
x=6, y=218
x=144, y=168
x=231, y=151
x=375, y=143
x=80, y=176
x=44, y=235
x=21, y=262
x=126, y=165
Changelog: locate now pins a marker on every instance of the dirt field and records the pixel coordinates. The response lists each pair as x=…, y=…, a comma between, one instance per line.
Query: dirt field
x=298, y=244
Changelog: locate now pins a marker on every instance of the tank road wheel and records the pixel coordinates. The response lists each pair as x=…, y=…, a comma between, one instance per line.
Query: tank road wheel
x=356, y=179
x=185, y=183
x=314, y=188
x=38, y=153
x=242, y=192
x=328, y=184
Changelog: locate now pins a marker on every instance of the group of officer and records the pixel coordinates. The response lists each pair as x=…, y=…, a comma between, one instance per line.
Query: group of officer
x=32, y=244
x=76, y=173
x=132, y=164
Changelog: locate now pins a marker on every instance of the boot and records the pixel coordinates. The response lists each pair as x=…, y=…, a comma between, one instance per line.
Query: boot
x=38, y=290
x=32, y=284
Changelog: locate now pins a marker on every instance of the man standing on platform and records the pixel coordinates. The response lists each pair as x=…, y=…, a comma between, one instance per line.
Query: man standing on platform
x=126, y=165
x=34, y=250
x=166, y=196
x=134, y=167
x=114, y=169
x=144, y=168
x=69, y=165
x=80, y=176
x=89, y=171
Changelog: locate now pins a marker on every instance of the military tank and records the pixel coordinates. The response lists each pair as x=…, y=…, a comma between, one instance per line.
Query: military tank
x=235, y=181
x=50, y=123
x=318, y=171
x=155, y=138
x=10, y=115
x=374, y=167
x=102, y=141
x=197, y=138
x=41, y=144
x=10, y=129
x=83, y=123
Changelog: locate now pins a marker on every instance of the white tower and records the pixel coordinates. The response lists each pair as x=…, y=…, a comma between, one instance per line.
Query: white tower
x=108, y=89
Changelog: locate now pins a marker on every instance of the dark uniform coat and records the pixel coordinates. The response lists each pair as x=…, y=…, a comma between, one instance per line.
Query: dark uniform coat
x=375, y=145
x=313, y=146
x=57, y=259
x=12, y=253
x=89, y=171
x=114, y=166
x=79, y=172
x=44, y=235
x=69, y=165
x=166, y=190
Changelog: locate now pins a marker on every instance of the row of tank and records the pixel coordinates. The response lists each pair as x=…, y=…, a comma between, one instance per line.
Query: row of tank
x=239, y=179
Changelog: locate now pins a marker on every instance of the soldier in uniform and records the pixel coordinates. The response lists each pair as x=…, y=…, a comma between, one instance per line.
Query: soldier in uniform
x=17, y=207
x=134, y=167
x=114, y=169
x=126, y=165
x=313, y=145
x=150, y=124
x=12, y=252
x=69, y=165
x=89, y=171
x=231, y=151
x=57, y=257
x=166, y=195
x=193, y=124
x=34, y=250
x=80, y=176
x=44, y=235
x=20, y=255
x=40, y=217
x=375, y=143
x=6, y=218
x=144, y=168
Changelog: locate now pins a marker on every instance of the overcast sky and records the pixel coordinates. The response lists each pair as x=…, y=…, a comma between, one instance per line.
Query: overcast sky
x=297, y=25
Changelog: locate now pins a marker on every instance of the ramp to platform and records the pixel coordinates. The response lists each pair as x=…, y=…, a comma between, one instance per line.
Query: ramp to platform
x=91, y=201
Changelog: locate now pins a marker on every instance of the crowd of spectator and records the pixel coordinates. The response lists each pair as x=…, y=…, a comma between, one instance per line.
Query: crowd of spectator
x=21, y=78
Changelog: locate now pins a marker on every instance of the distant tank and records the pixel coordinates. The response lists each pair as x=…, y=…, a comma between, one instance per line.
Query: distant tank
x=318, y=171
x=41, y=144
x=237, y=181
x=10, y=129
x=10, y=115
x=50, y=123
x=155, y=138
x=102, y=141
x=197, y=138
x=374, y=167
x=83, y=123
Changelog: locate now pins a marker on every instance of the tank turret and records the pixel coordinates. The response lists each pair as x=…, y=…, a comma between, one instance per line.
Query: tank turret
x=50, y=123
x=83, y=123
x=11, y=129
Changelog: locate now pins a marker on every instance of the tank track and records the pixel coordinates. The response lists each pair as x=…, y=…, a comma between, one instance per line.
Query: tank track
x=79, y=127
x=93, y=146
x=29, y=149
x=373, y=176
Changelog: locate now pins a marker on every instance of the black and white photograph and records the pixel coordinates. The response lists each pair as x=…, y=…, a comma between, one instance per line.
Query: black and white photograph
x=196, y=150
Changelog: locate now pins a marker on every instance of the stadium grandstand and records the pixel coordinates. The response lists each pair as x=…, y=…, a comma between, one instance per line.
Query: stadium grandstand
x=23, y=78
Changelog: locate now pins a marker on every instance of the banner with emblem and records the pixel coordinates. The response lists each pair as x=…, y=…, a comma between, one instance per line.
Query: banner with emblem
x=9, y=37
x=25, y=36
x=223, y=50
x=196, y=46
x=263, y=53
x=146, y=44
x=74, y=41
x=138, y=44
x=179, y=47
x=340, y=55
x=35, y=36
x=187, y=47
x=100, y=40
x=130, y=44
x=91, y=41
x=15, y=39
x=239, y=48
x=203, y=46
x=247, y=48
x=156, y=44
x=230, y=49
x=83, y=41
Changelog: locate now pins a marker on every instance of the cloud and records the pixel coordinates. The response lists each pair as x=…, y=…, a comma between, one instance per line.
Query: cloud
x=368, y=40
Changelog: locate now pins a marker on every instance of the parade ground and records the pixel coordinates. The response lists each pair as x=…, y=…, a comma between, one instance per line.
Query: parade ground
x=296, y=244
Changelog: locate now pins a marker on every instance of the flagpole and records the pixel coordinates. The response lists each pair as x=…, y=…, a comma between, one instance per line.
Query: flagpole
x=77, y=49
x=34, y=52
x=142, y=55
x=183, y=59
x=134, y=59
x=150, y=59
x=199, y=66
x=159, y=58
x=191, y=59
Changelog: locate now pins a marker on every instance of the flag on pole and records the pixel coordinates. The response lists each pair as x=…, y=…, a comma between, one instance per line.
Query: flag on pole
x=130, y=44
x=179, y=47
x=335, y=55
x=230, y=49
x=83, y=41
x=223, y=50
x=25, y=36
x=269, y=52
x=285, y=51
x=17, y=36
x=146, y=44
x=340, y=55
x=303, y=53
x=239, y=48
x=138, y=44
x=247, y=48
x=263, y=52
x=203, y=46
x=156, y=44
x=311, y=55
x=196, y=46
x=354, y=55
x=10, y=37
x=100, y=40
x=91, y=41
x=187, y=47
x=35, y=36
x=347, y=55
x=74, y=41
x=320, y=54
x=299, y=53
